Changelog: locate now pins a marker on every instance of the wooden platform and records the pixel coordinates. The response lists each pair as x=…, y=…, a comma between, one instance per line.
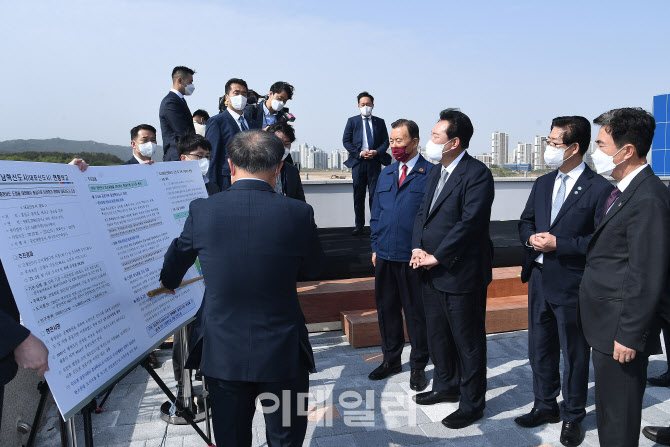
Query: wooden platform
x=506, y=310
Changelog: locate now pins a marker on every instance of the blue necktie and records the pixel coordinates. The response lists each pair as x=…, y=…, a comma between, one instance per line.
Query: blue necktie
x=242, y=124
x=560, y=198
x=368, y=132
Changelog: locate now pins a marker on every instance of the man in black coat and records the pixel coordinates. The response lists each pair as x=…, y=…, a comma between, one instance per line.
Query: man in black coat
x=452, y=244
x=562, y=212
x=289, y=182
x=143, y=142
x=174, y=115
x=252, y=243
x=626, y=274
x=271, y=109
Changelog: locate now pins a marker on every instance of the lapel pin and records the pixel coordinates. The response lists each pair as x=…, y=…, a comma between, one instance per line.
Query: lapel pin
x=576, y=192
x=420, y=169
x=579, y=188
x=619, y=204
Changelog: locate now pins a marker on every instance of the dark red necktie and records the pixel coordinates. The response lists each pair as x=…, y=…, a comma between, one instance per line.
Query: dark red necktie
x=404, y=174
x=610, y=201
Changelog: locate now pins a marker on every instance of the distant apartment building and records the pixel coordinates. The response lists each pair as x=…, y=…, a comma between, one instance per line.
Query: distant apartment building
x=588, y=156
x=499, y=148
x=522, y=154
x=538, y=153
x=487, y=159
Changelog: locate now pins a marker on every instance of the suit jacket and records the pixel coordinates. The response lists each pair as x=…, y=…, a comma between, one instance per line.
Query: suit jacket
x=291, y=183
x=255, y=112
x=627, y=269
x=456, y=230
x=353, y=140
x=220, y=130
x=13, y=333
x=132, y=161
x=252, y=243
x=176, y=121
x=573, y=227
x=394, y=209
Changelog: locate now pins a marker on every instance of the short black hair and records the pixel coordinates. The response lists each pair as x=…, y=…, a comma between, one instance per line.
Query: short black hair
x=136, y=130
x=365, y=95
x=256, y=151
x=280, y=86
x=459, y=127
x=201, y=113
x=412, y=127
x=252, y=96
x=181, y=72
x=576, y=129
x=283, y=127
x=629, y=125
x=236, y=81
x=191, y=142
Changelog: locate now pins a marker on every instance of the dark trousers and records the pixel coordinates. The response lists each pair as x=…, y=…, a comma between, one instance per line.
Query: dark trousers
x=619, y=393
x=234, y=404
x=176, y=353
x=666, y=341
x=457, y=343
x=398, y=290
x=553, y=328
x=364, y=175
x=2, y=398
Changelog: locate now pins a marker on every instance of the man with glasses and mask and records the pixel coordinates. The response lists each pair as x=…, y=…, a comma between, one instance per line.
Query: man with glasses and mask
x=174, y=114
x=271, y=109
x=561, y=214
x=220, y=130
x=195, y=147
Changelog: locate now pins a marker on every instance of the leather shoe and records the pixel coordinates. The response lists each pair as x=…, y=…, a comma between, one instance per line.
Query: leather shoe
x=460, y=419
x=434, y=397
x=662, y=380
x=536, y=418
x=417, y=380
x=660, y=435
x=571, y=433
x=357, y=232
x=384, y=370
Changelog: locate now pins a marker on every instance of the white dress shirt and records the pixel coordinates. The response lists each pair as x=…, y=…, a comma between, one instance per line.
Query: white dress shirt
x=625, y=182
x=236, y=116
x=410, y=164
x=569, y=184
x=366, y=146
x=177, y=92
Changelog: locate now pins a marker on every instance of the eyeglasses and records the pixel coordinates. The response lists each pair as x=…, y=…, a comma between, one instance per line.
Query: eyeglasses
x=200, y=157
x=551, y=143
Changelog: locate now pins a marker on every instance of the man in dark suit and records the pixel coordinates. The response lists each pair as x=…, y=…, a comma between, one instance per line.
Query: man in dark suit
x=289, y=182
x=399, y=194
x=272, y=108
x=220, y=130
x=626, y=274
x=174, y=114
x=452, y=245
x=561, y=214
x=252, y=243
x=366, y=139
x=143, y=142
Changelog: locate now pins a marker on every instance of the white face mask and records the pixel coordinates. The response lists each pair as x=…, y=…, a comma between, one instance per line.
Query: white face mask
x=553, y=156
x=365, y=110
x=238, y=102
x=147, y=149
x=199, y=128
x=277, y=105
x=189, y=89
x=286, y=152
x=605, y=163
x=435, y=151
x=204, y=165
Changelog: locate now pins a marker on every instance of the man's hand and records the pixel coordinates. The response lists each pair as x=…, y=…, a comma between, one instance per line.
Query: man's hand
x=623, y=354
x=169, y=291
x=417, y=256
x=374, y=259
x=371, y=153
x=429, y=261
x=32, y=354
x=544, y=242
x=79, y=162
x=147, y=162
x=365, y=154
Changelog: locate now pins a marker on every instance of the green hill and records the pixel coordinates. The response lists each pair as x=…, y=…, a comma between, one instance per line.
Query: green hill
x=96, y=159
x=70, y=147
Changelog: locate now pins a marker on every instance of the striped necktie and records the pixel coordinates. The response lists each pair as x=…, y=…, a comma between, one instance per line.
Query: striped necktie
x=243, y=125
x=559, y=199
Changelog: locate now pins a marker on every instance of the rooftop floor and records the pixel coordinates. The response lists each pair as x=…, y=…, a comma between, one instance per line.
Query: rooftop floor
x=131, y=416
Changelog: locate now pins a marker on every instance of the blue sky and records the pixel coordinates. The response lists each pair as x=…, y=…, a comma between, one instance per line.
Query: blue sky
x=92, y=70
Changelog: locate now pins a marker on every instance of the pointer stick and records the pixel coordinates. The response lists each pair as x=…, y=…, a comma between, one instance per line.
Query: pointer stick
x=160, y=290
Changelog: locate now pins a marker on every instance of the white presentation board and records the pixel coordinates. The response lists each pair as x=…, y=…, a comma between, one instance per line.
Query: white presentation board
x=81, y=250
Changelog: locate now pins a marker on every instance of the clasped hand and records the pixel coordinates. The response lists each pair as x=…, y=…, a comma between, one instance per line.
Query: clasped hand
x=368, y=154
x=544, y=242
x=422, y=259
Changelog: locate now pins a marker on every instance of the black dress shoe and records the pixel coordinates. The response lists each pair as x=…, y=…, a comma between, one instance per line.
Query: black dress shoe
x=433, y=397
x=662, y=380
x=660, y=435
x=384, y=370
x=571, y=433
x=536, y=418
x=417, y=380
x=460, y=419
x=357, y=232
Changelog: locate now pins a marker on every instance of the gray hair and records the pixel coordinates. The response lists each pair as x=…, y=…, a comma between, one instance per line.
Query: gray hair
x=256, y=151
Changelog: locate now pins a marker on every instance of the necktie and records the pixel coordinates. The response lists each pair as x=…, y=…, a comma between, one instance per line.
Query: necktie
x=440, y=185
x=403, y=175
x=368, y=133
x=616, y=192
x=560, y=198
x=243, y=126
